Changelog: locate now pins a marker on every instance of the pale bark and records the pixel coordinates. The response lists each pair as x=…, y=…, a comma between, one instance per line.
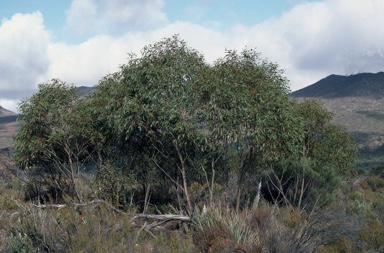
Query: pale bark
x=183, y=171
x=256, y=201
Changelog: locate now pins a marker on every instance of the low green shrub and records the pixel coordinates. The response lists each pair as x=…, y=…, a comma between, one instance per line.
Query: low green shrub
x=8, y=204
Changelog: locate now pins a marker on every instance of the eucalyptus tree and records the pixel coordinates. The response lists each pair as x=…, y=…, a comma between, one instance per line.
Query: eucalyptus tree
x=168, y=119
x=150, y=105
x=248, y=114
x=170, y=111
x=327, y=155
x=54, y=141
x=324, y=141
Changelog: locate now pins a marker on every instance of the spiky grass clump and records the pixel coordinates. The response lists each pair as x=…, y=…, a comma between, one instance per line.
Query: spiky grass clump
x=219, y=229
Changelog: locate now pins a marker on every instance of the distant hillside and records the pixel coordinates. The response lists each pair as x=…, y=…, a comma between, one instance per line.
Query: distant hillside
x=357, y=102
x=334, y=86
x=5, y=112
x=84, y=91
x=8, y=127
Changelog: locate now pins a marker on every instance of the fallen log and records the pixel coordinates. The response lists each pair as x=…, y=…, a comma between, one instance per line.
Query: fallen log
x=162, y=217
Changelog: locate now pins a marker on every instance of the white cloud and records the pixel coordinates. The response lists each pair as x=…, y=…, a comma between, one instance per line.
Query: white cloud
x=86, y=63
x=114, y=16
x=23, y=57
x=211, y=43
x=9, y=104
x=82, y=16
x=317, y=39
x=137, y=12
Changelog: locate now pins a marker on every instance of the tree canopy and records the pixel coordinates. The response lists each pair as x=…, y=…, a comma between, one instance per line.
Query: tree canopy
x=179, y=130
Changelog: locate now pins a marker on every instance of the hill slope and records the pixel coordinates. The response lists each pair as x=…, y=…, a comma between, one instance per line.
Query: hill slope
x=5, y=112
x=8, y=127
x=84, y=91
x=366, y=85
x=357, y=102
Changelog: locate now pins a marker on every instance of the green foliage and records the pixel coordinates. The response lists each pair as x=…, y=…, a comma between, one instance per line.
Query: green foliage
x=325, y=142
x=169, y=108
x=250, y=123
x=327, y=155
x=19, y=243
x=54, y=142
x=148, y=108
x=245, y=106
x=7, y=203
x=41, y=117
x=302, y=184
x=115, y=186
x=170, y=130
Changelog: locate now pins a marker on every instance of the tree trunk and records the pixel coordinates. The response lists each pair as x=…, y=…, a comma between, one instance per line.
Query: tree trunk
x=184, y=178
x=72, y=185
x=212, y=183
x=302, y=185
x=256, y=201
x=146, y=200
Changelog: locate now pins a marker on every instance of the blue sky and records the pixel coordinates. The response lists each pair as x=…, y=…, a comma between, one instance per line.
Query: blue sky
x=80, y=41
x=202, y=12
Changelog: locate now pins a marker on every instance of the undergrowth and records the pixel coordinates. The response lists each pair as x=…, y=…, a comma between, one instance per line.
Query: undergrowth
x=354, y=223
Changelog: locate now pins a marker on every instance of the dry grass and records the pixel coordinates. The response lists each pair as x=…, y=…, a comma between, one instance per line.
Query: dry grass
x=353, y=224
x=86, y=229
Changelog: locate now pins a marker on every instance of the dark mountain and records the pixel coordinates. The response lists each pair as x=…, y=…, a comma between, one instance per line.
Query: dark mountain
x=357, y=102
x=84, y=91
x=335, y=86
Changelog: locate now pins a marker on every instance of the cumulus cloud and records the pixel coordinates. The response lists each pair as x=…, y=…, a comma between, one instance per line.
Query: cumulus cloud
x=310, y=41
x=86, y=63
x=317, y=39
x=86, y=17
x=24, y=57
x=82, y=16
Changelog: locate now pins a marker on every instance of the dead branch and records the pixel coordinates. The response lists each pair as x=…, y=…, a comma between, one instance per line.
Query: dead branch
x=58, y=206
x=163, y=217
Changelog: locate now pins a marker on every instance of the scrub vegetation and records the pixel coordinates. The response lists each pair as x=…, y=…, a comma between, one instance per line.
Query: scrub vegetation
x=172, y=154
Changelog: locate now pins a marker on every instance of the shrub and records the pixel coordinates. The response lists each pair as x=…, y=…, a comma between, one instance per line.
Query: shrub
x=8, y=204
